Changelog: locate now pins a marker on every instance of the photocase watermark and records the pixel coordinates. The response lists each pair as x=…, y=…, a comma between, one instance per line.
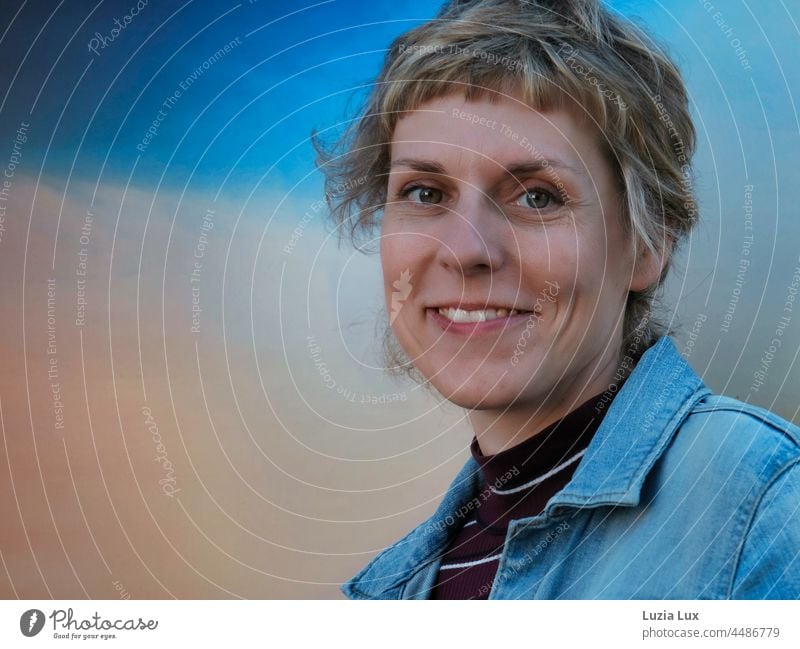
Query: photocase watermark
x=542, y=545
x=81, y=270
x=103, y=41
x=488, y=57
x=340, y=188
x=474, y=118
x=625, y=365
x=20, y=138
x=168, y=482
x=472, y=505
x=31, y=622
x=679, y=146
x=530, y=147
x=548, y=294
x=169, y=103
x=152, y=130
x=623, y=369
x=67, y=621
x=353, y=396
x=402, y=290
x=783, y=322
x=120, y=588
x=522, y=140
x=744, y=260
x=52, y=358
x=688, y=346
x=197, y=269
x=734, y=42
x=516, y=566
x=633, y=353
x=657, y=406
x=297, y=232
x=316, y=206
x=579, y=69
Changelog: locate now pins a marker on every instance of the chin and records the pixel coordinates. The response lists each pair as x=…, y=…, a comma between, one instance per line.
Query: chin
x=477, y=393
x=470, y=400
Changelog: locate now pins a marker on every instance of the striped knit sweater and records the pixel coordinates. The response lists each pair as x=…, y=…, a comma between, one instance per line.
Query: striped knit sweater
x=516, y=483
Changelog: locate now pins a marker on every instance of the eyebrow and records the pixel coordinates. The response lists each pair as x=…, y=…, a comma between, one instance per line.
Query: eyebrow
x=515, y=169
x=428, y=166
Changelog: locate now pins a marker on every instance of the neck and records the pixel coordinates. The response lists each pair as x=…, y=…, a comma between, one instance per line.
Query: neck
x=499, y=429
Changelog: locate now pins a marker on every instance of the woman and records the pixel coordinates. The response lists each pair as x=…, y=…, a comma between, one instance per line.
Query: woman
x=528, y=164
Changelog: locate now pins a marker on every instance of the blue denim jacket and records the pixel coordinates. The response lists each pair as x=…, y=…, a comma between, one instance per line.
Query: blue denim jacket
x=681, y=494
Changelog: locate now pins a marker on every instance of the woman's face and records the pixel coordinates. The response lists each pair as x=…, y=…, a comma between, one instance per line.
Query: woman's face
x=492, y=206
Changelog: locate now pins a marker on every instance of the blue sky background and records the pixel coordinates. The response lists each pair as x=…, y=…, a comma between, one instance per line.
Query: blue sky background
x=299, y=66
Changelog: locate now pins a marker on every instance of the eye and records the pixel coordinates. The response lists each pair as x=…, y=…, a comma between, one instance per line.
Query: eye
x=420, y=194
x=536, y=198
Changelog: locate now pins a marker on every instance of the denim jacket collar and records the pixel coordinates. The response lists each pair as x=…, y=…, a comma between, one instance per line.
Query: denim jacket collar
x=640, y=422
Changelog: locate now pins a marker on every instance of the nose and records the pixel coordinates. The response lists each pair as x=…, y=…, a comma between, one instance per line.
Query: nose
x=470, y=239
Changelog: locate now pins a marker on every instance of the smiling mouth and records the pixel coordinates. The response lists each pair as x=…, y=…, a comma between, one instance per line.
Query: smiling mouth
x=481, y=322
x=477, y=315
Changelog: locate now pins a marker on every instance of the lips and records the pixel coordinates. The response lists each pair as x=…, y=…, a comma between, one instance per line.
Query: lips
x=476, y=315
x=475, y=325
x=476, y=306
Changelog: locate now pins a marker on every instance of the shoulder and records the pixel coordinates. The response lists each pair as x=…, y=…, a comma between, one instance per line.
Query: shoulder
x=742, y=462
x=726, y=455
x=746, y=414
x=727, y=431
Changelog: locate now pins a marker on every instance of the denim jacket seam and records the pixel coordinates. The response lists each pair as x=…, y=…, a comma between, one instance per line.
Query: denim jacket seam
x=786, y=466
x=605, y=498
x=775, y=426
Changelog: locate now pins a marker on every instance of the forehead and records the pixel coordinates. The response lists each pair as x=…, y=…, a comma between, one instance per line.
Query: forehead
x=502, y=128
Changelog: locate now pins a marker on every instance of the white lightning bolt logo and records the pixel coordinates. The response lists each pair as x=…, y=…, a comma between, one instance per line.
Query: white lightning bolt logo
x=403, y=286
x=32, y=621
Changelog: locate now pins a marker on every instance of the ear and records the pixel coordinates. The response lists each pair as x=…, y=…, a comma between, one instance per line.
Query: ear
x=648, y=265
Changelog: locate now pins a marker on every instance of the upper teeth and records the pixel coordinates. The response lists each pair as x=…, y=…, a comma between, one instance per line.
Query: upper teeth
x=460, y=315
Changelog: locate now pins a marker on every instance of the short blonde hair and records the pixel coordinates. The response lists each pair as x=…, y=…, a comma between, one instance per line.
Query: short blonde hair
x=557, y=54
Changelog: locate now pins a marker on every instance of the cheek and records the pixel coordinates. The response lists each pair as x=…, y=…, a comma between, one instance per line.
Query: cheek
x=580, y=264
x=393, y=250
x=599, y=259
x=556, y=257
x=605, y=274
x=399, y=253
x=391, y=245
